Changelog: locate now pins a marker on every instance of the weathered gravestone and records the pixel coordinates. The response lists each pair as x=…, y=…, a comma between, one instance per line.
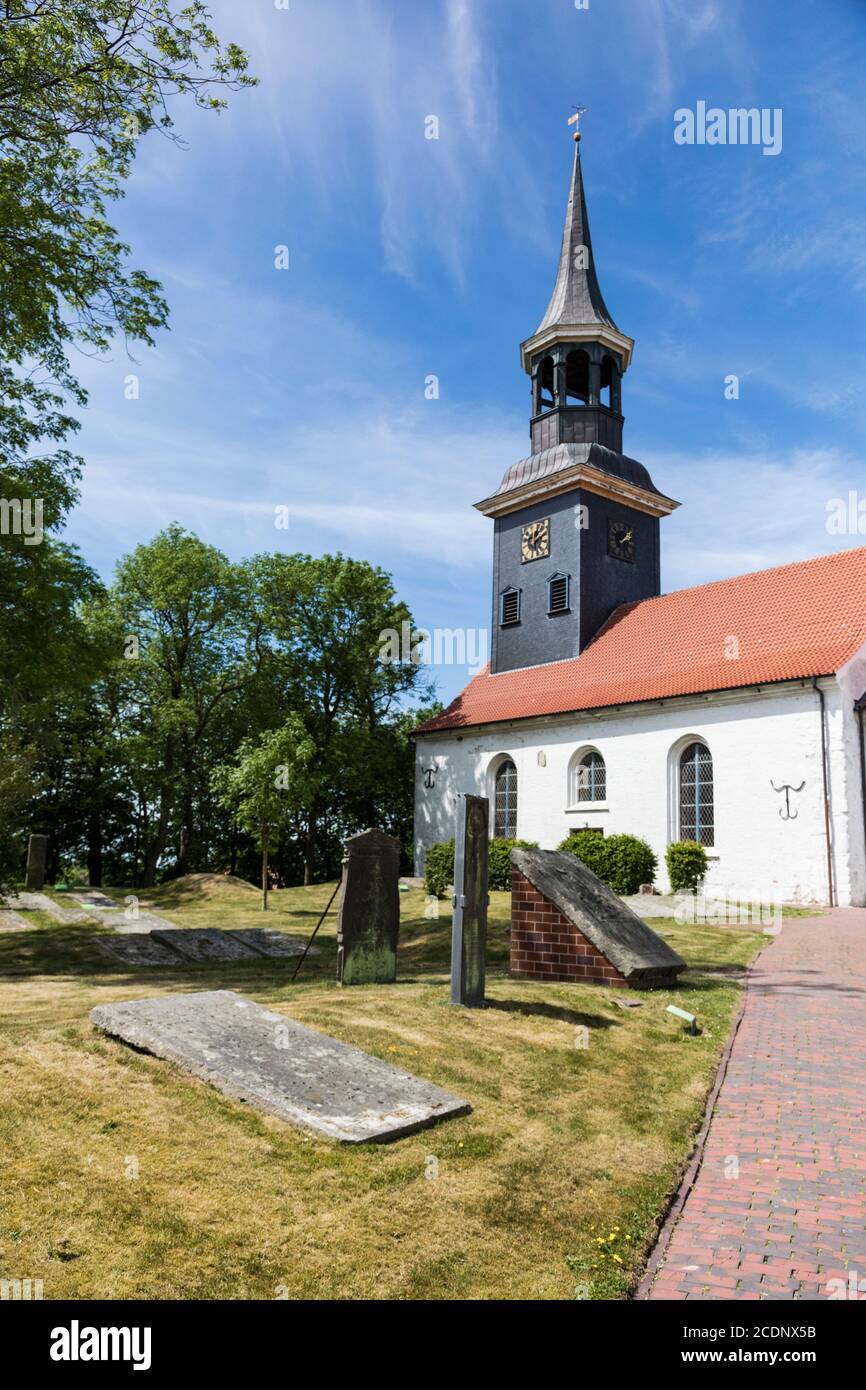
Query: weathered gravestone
x=93, y=897
x=268, y=941
x=37, y=854
x=306, y=1078
x=140, y=949
x=469, y=921
x=368, y=923
x=204, y=944
x=568, y=925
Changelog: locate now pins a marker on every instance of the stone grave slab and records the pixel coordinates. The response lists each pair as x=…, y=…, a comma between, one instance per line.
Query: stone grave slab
x=204, y=944
x=140, y=948
x=37, y=856
x=92, y=897
x=590, y=936
x=141, y=922
x=12, y=921
x=267, y=941
x=281, y=1067
x=368, y=923
x=40, y=902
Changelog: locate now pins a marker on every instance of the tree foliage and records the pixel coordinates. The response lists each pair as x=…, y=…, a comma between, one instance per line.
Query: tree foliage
x=80, y=84
x=265, y=786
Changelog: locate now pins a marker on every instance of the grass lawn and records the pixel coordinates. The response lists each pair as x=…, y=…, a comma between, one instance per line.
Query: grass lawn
x=123, y=1177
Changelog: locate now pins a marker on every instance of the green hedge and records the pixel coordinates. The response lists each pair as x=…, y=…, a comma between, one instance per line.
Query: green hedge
x=499, y=862
x=687, y=865
x=439, y=864
x=623, y=862
x=439, y=868
x=592, y=849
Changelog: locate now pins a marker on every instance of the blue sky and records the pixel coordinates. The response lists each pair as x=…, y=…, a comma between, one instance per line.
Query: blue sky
x=411, y=257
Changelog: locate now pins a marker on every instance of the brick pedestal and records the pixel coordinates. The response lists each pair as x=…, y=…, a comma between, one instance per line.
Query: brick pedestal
x=546, y=946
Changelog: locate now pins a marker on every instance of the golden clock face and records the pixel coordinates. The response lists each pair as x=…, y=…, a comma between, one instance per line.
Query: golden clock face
x=535, y=540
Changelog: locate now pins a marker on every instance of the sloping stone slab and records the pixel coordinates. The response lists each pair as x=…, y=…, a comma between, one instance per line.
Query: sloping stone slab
x=139, y=948
x=40, y=902
x=13, y=921
x=267, y=941
x=92, y=897
x=141, y=922
x=303, y=1077
x=624, y=939
x=203, y=944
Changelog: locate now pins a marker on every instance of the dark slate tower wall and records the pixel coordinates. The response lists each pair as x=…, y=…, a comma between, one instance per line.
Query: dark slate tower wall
x=606, y=582
x=537, y=637
x=599, y=582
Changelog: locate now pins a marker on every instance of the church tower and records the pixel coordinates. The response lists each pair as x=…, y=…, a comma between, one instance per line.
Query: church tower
x=577, y=522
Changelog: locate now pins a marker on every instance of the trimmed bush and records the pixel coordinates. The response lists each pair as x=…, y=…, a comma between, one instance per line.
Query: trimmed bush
x=632, y=863
x=439, y=868
x=591, y=849
x=439, y=864
x=499, y=862
x=687, y=865
x=623, y=862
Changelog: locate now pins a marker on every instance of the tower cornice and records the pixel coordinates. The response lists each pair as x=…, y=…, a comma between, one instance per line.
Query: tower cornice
x=565, y=471
x=545, y=338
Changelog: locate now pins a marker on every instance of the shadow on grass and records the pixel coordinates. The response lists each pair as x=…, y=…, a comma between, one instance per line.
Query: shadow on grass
x=555, y=1011
x=76, y=952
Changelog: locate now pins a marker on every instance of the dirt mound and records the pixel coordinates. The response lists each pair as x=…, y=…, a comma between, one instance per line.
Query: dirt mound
x=208, y=886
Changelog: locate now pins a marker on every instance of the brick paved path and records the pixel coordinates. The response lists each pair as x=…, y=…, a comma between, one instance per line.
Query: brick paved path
x=792, y=1113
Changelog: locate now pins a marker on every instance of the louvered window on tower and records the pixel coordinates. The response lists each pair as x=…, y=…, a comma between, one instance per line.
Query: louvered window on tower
x=557, y=594
x=510, y=607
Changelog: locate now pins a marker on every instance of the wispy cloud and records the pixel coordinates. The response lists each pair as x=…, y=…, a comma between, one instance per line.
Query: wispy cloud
x=745, y=511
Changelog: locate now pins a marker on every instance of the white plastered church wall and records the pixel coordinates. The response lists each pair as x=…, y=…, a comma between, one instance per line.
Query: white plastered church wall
x=755, y=738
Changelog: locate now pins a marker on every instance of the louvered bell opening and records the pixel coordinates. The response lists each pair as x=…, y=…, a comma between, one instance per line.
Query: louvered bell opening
x=510, y=607
x=558, y=595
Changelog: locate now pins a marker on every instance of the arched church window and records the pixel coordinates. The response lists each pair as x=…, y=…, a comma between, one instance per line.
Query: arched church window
x=697, y=815
x=577, y=376
x=588, y=778
x=505, y=801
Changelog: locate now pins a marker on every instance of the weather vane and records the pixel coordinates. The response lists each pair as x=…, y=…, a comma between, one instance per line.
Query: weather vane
x=575, y=120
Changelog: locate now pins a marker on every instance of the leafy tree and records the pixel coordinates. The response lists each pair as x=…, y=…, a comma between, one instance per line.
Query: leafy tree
x=267, y=785
x=178, y=604
x=16, y=764
x=47, y=655
x=323, y=624
x=79, y=84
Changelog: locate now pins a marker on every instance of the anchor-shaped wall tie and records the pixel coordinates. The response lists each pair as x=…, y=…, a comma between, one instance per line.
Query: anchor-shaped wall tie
x=787, y=813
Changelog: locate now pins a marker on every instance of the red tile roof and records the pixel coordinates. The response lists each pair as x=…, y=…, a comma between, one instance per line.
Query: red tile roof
x=800, y=620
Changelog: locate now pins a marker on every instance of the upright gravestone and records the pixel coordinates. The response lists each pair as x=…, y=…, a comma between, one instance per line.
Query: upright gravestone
x=469, y=929
x=368, y=923
x=37, y=853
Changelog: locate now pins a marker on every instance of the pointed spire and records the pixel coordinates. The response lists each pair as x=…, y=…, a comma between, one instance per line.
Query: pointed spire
x=577, y=297
x=577, y=312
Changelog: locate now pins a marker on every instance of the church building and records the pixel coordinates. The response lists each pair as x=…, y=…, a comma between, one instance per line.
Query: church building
x=730, y=713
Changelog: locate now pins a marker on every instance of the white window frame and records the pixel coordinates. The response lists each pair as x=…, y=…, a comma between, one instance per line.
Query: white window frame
x=675, y=811
x=572, y=789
